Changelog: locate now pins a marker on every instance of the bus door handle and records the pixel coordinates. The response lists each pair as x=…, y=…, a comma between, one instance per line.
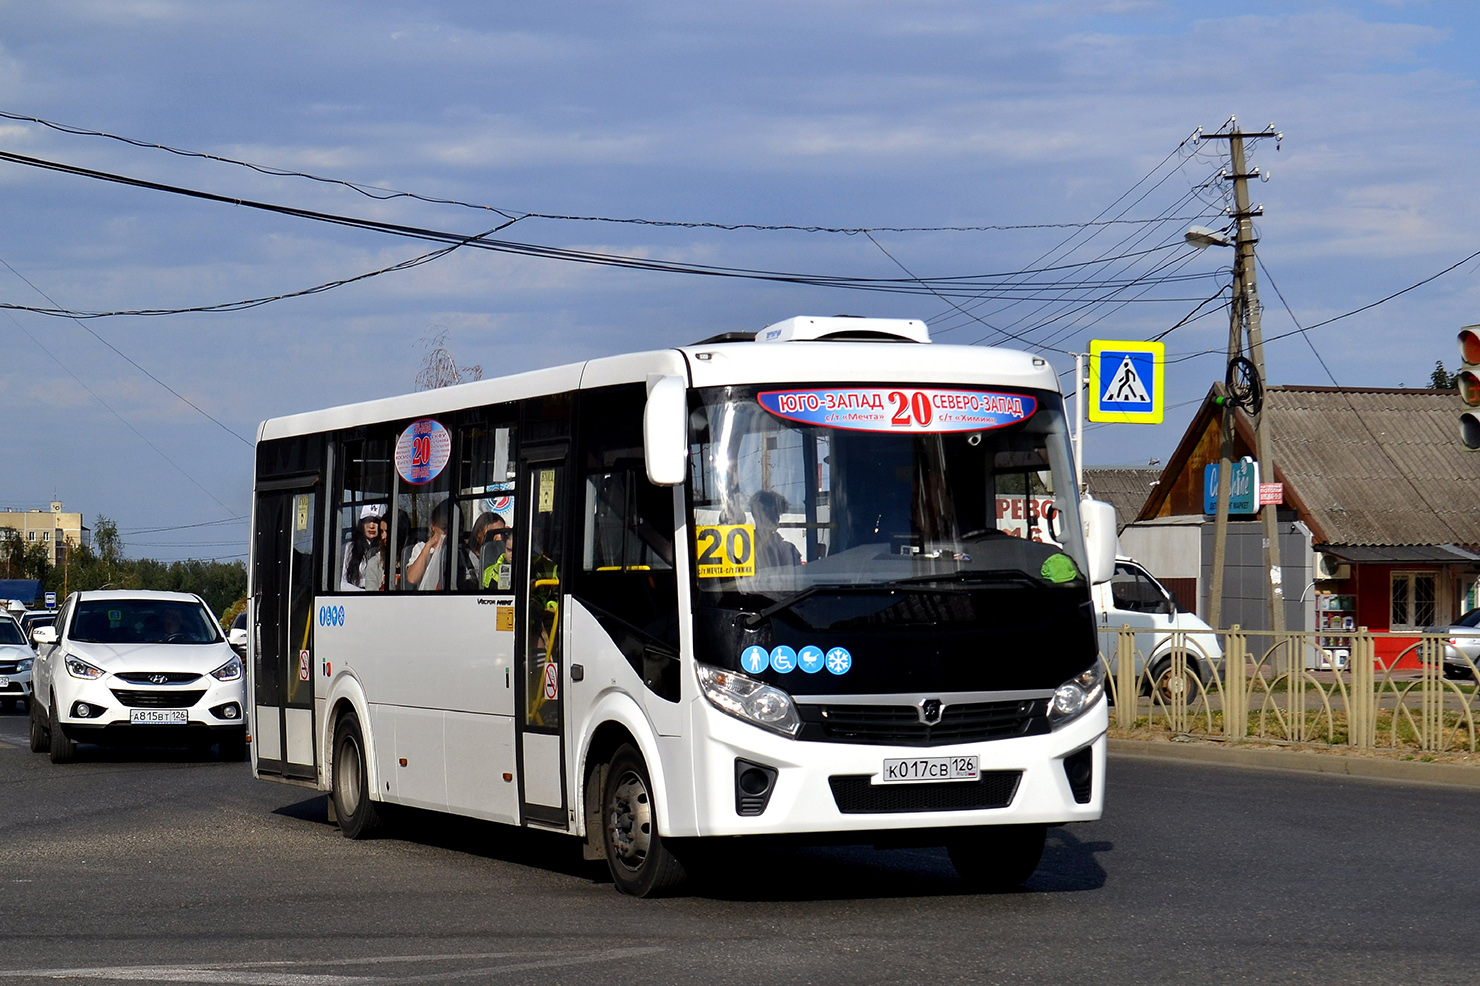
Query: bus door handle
x=577, y=672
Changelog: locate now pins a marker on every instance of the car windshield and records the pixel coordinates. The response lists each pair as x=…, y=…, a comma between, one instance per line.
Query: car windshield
x=1470, y=619
x=808, y=489
x=143, y=621
x=10, y=633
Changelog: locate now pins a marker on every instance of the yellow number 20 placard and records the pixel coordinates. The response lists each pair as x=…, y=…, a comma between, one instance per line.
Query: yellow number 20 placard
x=725, y=551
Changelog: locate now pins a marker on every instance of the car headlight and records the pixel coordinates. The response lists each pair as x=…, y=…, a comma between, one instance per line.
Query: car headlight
x=230, y=671
x=24, y=664
x=753, y=701
x=1077, y=695
x=78, y=668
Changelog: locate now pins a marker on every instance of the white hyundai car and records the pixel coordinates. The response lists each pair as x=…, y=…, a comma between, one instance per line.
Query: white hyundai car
x=15, y=664
x=136, y=667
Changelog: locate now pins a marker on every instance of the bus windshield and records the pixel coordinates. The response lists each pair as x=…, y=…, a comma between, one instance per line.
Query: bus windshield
x=930, y=534
x=781, y=502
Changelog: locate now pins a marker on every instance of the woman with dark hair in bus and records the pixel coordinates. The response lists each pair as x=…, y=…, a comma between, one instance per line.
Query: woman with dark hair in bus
x=361, y=571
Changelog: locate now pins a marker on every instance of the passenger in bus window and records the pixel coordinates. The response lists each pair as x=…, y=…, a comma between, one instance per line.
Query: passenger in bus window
x=365, y=550
x=424, y=566
x=480, y=545
x=771, y=549
x=500, y=574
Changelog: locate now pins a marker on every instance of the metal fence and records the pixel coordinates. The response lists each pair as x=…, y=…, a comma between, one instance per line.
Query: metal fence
x=1295, y=688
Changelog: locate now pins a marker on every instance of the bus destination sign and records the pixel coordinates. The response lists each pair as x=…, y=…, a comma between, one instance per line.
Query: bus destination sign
x=899, y=409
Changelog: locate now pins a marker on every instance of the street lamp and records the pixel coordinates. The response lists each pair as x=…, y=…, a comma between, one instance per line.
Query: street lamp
x=1202, y=237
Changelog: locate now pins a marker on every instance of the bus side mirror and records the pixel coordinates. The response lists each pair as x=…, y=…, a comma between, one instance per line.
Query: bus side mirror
x=665, y=440
x=1100, y=542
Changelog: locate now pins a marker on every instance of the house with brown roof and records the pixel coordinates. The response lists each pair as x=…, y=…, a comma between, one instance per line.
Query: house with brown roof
x=1380, y=525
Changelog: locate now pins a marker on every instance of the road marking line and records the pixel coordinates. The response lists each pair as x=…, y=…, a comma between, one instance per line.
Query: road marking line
x=242, y=974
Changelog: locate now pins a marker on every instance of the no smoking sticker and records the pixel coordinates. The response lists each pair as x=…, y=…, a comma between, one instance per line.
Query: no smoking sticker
x=552, y=681
x=305, y=662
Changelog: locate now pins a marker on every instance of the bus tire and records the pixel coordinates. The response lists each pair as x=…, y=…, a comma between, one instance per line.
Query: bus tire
x=995, y=858
x=63, y=747
x=40, y=738
x=359, y=817
x=641, y=863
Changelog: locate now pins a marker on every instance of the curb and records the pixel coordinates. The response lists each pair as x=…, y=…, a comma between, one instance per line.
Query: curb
x=1303, y=761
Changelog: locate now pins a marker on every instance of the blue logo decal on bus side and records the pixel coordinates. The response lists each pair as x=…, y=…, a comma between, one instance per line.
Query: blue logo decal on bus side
x=755, y=659
x=839, y=660
x=783, y=659
x=331, y=616
x=810, y=659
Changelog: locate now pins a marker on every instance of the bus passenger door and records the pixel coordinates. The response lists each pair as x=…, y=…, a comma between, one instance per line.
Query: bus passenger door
x=541, y=527
x=282, y=632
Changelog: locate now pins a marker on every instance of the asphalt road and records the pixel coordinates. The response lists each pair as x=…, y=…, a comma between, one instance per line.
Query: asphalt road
x=151, y=866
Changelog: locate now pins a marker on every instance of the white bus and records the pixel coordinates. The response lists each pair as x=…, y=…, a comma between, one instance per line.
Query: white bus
x=828, y=582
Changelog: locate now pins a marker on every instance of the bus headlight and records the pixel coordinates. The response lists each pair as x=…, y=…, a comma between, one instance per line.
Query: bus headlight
x=752, y=701
x=1076, y=695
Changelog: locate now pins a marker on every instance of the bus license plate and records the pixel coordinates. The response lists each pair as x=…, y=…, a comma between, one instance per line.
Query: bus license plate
x=920, y=770
x=158, y=717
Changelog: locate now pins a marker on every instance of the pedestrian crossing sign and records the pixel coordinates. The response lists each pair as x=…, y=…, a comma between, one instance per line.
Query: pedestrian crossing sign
x=1126, y=381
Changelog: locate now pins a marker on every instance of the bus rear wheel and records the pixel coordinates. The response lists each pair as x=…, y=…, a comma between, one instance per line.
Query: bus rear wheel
x=359, y=817
x=640, y=863
x=998, y=857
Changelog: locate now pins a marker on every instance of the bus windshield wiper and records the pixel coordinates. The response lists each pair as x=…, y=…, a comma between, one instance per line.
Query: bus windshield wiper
x=972, y=575
x=785, y=602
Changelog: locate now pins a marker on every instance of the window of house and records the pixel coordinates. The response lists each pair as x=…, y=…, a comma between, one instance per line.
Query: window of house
x=30, y=535
x=1414, y=596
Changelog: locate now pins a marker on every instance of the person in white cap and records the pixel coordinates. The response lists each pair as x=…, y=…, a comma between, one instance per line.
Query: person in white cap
x=364, y=562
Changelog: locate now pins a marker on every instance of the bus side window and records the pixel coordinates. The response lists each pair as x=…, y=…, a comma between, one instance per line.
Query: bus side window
x=626, y=577
x=485, y=509
x=362, y=522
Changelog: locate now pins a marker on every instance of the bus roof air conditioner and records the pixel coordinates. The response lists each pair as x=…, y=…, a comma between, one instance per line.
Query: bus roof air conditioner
x=844, y=328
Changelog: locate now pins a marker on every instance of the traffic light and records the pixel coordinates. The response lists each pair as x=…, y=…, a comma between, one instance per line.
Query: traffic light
x=1468, y=382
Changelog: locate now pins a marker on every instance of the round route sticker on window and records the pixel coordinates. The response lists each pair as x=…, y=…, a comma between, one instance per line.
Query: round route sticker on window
x=422, y=451
x=907, y=409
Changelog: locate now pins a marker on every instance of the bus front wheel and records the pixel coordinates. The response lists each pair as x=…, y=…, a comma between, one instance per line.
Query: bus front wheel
x=640, y=863
x=998, y=857
x=359, y=817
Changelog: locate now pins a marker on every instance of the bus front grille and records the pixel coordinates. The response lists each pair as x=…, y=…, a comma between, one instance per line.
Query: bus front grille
x=140, y=699
x=900, y=725
x=855, y=795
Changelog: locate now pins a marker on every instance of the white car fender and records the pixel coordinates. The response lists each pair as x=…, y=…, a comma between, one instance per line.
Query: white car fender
x=617, y=707
x=346, y=687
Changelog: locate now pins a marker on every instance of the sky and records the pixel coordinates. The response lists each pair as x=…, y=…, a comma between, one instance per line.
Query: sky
x=1021, y=121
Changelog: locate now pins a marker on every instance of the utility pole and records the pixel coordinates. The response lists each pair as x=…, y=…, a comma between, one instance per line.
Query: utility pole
x=1244, y=316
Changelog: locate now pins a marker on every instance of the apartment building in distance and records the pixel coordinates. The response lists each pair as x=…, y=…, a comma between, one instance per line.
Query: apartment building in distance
x=52, y=528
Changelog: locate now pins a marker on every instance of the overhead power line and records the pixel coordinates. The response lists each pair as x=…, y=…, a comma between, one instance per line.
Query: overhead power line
x=82, y=325
x=960, y=286
x=382, y=193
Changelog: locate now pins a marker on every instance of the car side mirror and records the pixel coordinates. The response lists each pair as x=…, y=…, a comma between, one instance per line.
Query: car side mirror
x=44, y=635
x=665, y=440
x=1100, y=541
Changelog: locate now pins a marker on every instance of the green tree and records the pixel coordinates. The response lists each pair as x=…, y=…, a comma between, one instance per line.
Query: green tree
x=1442, y=379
